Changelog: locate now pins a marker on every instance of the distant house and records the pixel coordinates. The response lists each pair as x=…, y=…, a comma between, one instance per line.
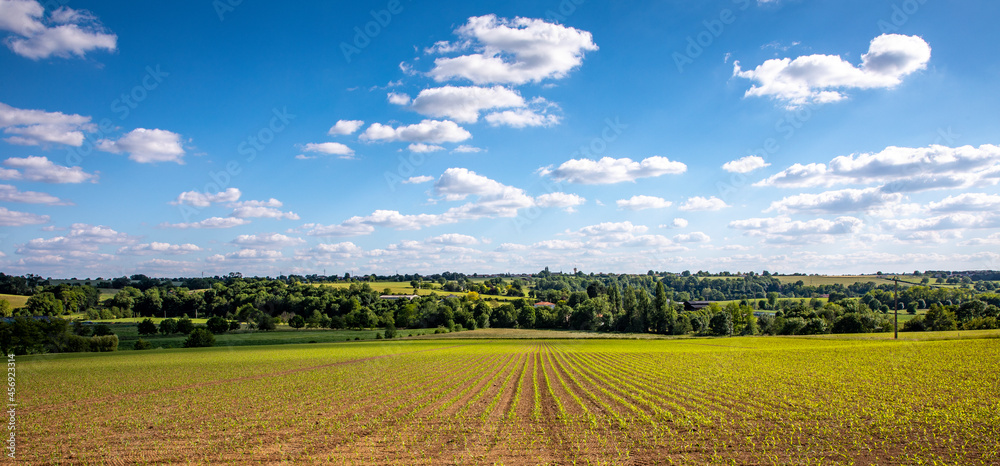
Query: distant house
x=696, y=305
x=398, y=296
x=545, y=304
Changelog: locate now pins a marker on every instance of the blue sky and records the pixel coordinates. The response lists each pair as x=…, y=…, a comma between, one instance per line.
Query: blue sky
x=183, y=138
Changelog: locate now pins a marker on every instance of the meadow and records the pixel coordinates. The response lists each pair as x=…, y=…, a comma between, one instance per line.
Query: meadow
x=763, y=400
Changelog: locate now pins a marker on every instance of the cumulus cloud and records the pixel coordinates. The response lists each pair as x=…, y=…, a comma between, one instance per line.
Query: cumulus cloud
x=745, y=165
x=900, y=169
x=13, y=218
x=817, y=79
x=209, y=223
x=418, y=179
x=512, y=51
x=396, y=98
x=36, y=127
x=675, y=223
x=463, y=103
x=836, y=202
x=158, y=248
x=522, y=118
x=247, y=255
x=421, y=148
x=9, y=193
x=967, y=202
x=562, y=200
x=63, y=33
x=200, y=199
x=43, y=170
x=147, y=146
x=427, y=131
x=329, y=251
x=643, y=202
x=608, y=170
x=464, y=149
x=261, y=209
x=454, y=239
x=345, y=127
x=783, y=230
x=699, y=203
x=327, y=148
x=952, y=221
x=694, y=237
x=267, y=241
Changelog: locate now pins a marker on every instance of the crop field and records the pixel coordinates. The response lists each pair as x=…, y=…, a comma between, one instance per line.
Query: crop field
x=15, y=301
x=687, y=401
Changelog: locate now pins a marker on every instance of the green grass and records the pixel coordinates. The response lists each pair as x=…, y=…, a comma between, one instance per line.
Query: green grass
x=15, y=301
x=128, y=334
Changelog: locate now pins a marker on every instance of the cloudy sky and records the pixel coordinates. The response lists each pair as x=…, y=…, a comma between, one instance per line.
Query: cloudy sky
x=180, y=138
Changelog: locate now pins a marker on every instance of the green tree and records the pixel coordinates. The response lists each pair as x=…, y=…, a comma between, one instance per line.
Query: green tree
x=168, y=326
x=199, y=338
x=217, y=325
x=44, y=304
x=141, y=344
x=147, y=327
x=6, y=310
x=297, y=322
x=266, y=323
x=722, y=324
x=184, y=325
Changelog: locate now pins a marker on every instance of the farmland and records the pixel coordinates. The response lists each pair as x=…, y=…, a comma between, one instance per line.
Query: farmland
x=765, y=400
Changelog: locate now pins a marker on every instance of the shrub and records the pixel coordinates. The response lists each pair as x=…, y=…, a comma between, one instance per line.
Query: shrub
x=217, y=325
x=168, y=326
x=184, y=325
x=378, y=335
x=102, y=330
x=266, y=323
x=915, y=324
x=104, y=343
x=199, y=338
x=234, y=325
x=141, y=344
x=721, y=324
x=147, y=327
x=297, y=322
x=76, y=344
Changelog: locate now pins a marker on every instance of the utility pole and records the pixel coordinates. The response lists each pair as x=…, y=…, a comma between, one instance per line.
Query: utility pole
x=895, y=307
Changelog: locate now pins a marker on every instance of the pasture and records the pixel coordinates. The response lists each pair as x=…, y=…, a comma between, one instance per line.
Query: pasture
x=520, y=401
x=15, y=301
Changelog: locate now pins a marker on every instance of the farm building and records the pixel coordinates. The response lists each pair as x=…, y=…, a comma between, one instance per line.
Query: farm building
x=545, y=304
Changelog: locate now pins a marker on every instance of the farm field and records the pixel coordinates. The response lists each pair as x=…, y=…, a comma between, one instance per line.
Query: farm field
x=724, y=401
x=15, y=301
x=405, y=288
x=128, y=334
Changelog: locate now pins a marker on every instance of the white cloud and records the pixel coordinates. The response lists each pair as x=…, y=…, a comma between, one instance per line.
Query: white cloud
x=816, y=79
x=64, y=33
x=464, y=103
x=199, y=199
x=42, y=169
x=397, y=98
x=421, y=148
x=267, y=241
x=464, y=149
x=418, y=179
x=837, y=202
x=209, y=223
x=901, y=169
x=558, y=244
x=746, y=164
x=262, y=209
x=9, y=193
x=676, y=223
x=562, y=200
x=158, y=248
x=454, y=239
x=608, y=170
x=694, y=237
x=247, y=255
x=992, y=240
x=643, y=202
x=952, y=221
x=345, y=127
x=329, y=148
x=81, y=238
x=35, y=127
x=428, y=131
x=12, y=218
x=521, y=118
x=967, y=202
x=698, y=203
x=512, y=51
x=327, y=251
x=147, y=146
x=783, y=230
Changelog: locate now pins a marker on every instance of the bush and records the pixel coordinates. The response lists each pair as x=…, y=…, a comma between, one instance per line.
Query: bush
x=141, y=344
x=915, y=324
x=266, y=323
x=102, y=330
x=234, y=325
x=722, y=324
x=378, y=335
x=184, y=325
x=199, y=338
x=104, y=343
x=147, y=327
x=217, y=325
x=76, y=344
x=297, y=322
x=168, y=326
